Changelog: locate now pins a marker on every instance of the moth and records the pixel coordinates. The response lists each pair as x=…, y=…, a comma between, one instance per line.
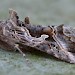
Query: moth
x=58, y=41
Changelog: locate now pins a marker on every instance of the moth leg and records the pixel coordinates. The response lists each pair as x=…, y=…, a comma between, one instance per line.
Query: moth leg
x=17, y=47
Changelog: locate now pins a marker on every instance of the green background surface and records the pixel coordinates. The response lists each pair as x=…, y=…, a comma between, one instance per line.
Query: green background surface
x=43, y=12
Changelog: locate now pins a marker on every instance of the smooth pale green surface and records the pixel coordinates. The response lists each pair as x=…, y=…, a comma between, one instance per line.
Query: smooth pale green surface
x=44, y=12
